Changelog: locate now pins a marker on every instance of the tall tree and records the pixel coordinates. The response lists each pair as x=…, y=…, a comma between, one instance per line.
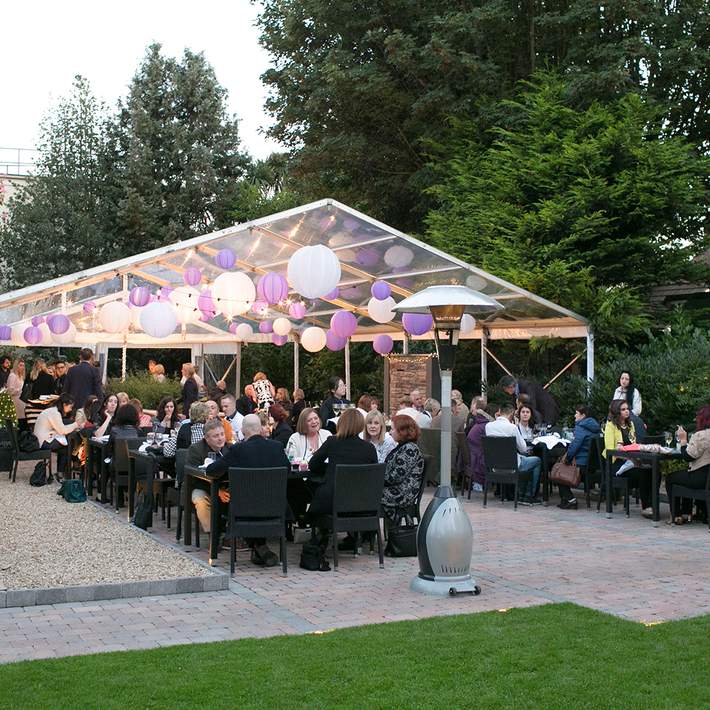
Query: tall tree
x=54, y=222
x=176, y=156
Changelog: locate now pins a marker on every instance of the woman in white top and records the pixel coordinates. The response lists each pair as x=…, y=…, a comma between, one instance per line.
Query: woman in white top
x=15, y=382
x=376, y=433
x=628, y=392
x=525, y=423
x=308, y=437
x=51, y=431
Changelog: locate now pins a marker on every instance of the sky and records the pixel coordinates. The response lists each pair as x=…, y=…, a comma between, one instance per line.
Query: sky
x=45, y=44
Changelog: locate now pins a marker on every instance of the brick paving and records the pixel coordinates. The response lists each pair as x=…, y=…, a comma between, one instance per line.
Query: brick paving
x=533, y=556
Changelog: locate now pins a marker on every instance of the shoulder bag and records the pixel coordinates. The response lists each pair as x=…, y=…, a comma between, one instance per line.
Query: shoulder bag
x=567, y=474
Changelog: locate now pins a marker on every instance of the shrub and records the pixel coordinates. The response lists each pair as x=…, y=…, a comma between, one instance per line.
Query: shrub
x=145, y=388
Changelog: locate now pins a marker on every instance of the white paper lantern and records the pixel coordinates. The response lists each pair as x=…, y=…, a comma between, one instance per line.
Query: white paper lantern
x=313, y=339
x=136, y=318
x=244, y=331
x=115, y=317
x=184, y=299
x=476, y=282
x=282, y=326
x=66, y=338
x=468, y=324
x=158, y=319
x=398, y=256
x=381, y=311
x=46, y=334
x=233, y=293
x=314, y=271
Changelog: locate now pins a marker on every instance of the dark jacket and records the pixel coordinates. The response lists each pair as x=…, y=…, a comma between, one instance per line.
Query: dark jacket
x=403, y=478
x=475, y=447
x=190, y=394
x=245, y=405
x=43, y=385
x=326, y=410
x=584, y=431
x=81, y=381
x=255, y=452
x=59, y=387
x=197, y=453
x=298, y=407
x=334, y=451
x=540, y=400
x=282, y=433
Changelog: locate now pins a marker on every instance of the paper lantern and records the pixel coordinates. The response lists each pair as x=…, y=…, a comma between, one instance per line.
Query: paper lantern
x=244, y=331
x=398, y=256
x=232, y=328
x=115, y=317
x=185, y=300
x=136, y=317
x=417, y=323
x=297, y=310
x=261, y=308
x=266, y=326
x=382, y=344
x=46, y=333
x=381, y=311
x=313, y=339
x=468, y=324
x=279, y=340
x=351, y=224
x=32, y=335
x=58, y=324
x=334, y=342
x=343, y=323
x=158, y=319
x=368, y=257
x=89, y=307
x=332, y=295
x=37, y=321
x=282, y=326
x=314, y=271
x=272, y=288
x=233, y=293
x=192, y=276
x=476, y=282
x=5, y=332
x=381, y=290
x=225, y=259
x=164, y=294
x=66, y=338
x=206, y=305
x=139, y=296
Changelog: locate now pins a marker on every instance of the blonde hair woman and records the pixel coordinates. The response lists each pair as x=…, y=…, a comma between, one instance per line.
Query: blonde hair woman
x=376, y=433
x=15, y=382
x=190, y=388
x=42, y=380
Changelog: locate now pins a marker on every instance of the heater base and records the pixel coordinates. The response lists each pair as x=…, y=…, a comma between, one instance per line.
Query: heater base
x=453, y=586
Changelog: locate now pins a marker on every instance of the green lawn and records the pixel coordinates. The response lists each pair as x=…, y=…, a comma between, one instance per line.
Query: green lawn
x=545, y=657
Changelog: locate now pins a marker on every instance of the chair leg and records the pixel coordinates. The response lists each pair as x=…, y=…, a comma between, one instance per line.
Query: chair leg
x=334, y=533
x=232, y=555
x=380, y=548
x=178, y=530
x=169, y=509
x=357, y=543
x=282, y=550
x=197, y=530
x=627, y=501
x=515, y=495
x=14, y=470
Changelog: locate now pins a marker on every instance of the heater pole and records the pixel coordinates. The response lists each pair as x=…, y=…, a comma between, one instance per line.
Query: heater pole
x=445, y=428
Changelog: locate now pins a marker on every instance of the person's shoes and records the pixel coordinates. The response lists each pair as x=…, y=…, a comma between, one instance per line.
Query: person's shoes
x=477, y=488
x=256, y=558
x=568, y=504
x=530, y=500
x=265, y=557
x=647, y=512
x=347, y=544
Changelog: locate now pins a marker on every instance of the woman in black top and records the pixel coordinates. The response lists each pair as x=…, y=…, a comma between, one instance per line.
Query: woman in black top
x=166, y=418
x=336, y=388
x=282, y=429
x=190, y=390
x=42, y=381
x=125, y=426
x=299, y=404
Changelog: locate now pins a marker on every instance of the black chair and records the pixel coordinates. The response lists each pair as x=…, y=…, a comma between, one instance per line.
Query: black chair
x=357, y=504
x=692, y=493
x=415, y=509
x=430, y=445
x=174, y=494
x=593, y=472
x=500, y=454
x=257, y=507
x=17, y=455
x=120, y=464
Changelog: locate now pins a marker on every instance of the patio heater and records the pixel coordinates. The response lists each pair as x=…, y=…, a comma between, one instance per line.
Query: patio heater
x=445, y=537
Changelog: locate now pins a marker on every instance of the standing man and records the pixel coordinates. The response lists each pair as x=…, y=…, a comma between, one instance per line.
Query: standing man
x=229, y=407
x=84, y=379
x=5, y=368
x=540, y=399
x=60, y=374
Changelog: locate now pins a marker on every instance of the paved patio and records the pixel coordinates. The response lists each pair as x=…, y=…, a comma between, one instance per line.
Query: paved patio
x=533, y=556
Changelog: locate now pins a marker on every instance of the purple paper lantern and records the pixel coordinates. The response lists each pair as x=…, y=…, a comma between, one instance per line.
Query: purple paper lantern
x=206, y=305
x=351, y=224
x=382, y=344
x=233, y=328
x=259, y=307
x=37, y=321
x=332, y=295
x=381, y=290
x=272, y=287
x=343, y=323
x=266, y=326
x=5, y=332
x=367, y=257
x=192, y=276
x=32, y=335
x=334, y=342
x=164, y=293
x=279, y=339
x=225, y=259
x=297, y=310
x=417, y=323
x=58, y=324
x=89, y=307
x=139, y=296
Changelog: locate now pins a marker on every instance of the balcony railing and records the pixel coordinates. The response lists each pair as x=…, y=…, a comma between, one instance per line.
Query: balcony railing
x=17, y=161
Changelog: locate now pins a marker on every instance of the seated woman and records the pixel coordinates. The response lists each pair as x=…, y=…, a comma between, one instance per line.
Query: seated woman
x=619, y=431
x=125, y=426
x=586, y=428
x=481, y=417
x=308, y=438
x=697, y=452
x=405, y=470
x=167, y=417
x=281, y=431
x=103, y=421
x=283, y=399
x=376, y=433
x=525, y=400
x=52, y=432
x=145, y=421
x=190, y=432
x=526, y=422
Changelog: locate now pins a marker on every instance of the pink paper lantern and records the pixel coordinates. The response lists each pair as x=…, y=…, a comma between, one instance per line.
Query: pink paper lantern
x=259, y=307
x=58, y=324
x=334, y=342
x=343, y=323
x=382, y=344
x=266, y=326
x=233, y=328
x=5, y=332
x=297, y=310
x=225, y=259
x=417, y=323
x=367, y=257
x=335, y=293
x=89, y=307
x=32, y=335
x=381, y=290
x=207, y=305
x=192, y=276
x=279, y=339
x=164, y=293
x=37, y=321
x=272, y=287
x=139, y=296
x=351, y=224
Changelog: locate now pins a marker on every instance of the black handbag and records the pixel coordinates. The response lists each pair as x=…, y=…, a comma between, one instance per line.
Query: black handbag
x=402, y=539
x=143, y=517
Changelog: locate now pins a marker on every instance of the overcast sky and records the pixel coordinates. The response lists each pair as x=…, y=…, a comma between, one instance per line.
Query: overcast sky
x=44, y=44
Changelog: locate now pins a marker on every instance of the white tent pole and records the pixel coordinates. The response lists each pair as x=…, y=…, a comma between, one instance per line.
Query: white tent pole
x=405, y=345
x=123, y=362
x=484, y=360
x=238, y=371
x=296, y=365
x=347, y=368
x=590, y=355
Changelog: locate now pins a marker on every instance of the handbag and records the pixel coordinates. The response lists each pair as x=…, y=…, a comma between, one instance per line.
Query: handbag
x=72, y=489
x=402, y=539
x=566, y=474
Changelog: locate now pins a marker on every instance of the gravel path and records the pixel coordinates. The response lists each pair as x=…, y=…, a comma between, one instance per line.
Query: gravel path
x=47, y=542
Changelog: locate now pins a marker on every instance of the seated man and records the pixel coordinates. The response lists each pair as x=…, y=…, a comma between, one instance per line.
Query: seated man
x=406, y=407
x=254, y=452
x=503, y=426
x=212, y=443
x=417, y=400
